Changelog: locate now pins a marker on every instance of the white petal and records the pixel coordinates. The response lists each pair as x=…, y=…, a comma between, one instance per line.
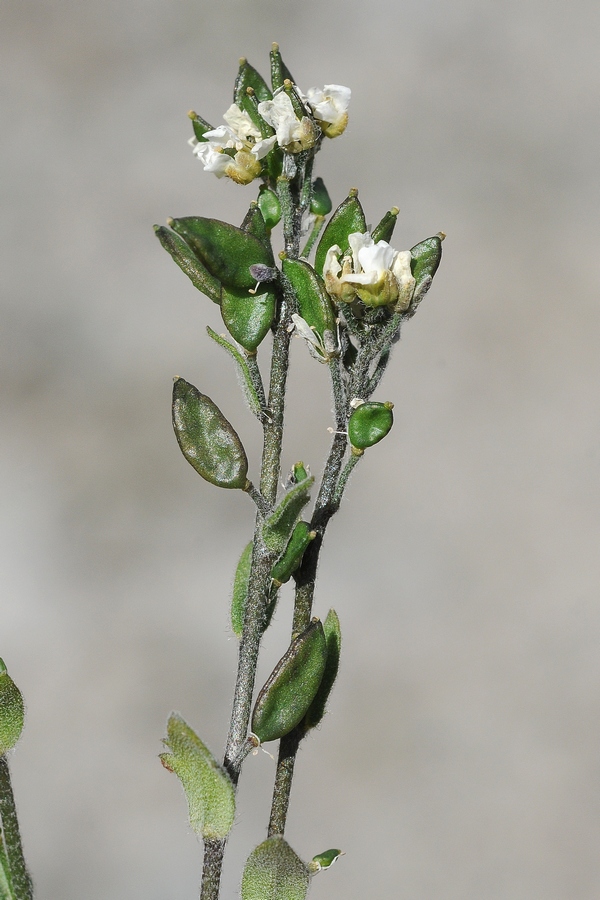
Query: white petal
x=222, y=136
x=376, y=257
x=240, y=122
x=357, y=241
x=212, y=160
x=262, y=147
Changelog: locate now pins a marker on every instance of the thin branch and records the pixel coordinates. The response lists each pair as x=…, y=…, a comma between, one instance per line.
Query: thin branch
x=20, y=878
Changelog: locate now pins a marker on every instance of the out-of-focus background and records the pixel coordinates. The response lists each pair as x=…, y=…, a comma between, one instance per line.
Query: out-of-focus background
x=461, y=755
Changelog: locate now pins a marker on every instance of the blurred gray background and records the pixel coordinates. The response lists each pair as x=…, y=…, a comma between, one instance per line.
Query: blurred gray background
x=461, y=755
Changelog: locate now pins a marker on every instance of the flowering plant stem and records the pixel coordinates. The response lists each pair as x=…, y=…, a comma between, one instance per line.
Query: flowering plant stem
x=21, y=885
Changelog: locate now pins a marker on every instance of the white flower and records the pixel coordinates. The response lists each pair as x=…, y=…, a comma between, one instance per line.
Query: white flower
x=323, y=348
x=293, y=134
x=239, y=134
x=378, y=274
x=330, y=107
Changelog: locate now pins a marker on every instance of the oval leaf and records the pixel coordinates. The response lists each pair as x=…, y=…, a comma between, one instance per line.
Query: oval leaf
x=278, y=527
x=274, y=871
x=314, y=303
x=226, y=251
x=189, y=263
x=369, y=424
x=426, y=257
x=207, y=786
x=291, y=557
x=12, y=711
x=248, y=317
x=333, y=640
x=291, y=686
x=206, y=438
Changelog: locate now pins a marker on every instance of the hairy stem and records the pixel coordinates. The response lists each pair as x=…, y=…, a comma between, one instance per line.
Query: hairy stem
x=20, y=879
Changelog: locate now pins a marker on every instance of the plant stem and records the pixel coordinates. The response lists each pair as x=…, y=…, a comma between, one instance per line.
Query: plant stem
x=21, y=880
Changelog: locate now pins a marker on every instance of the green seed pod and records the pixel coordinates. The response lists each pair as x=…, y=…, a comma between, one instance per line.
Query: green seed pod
x=324, y=860
x=333, y=640
x=291, y=686
x=277, y=528
x=248, y=77
x=12, y=711
x=385, y=229
x=189, y=263
x=291, y=558
x=347, y=219
x=254, y=224
x=279, y=70
x=207, y=786
x=226, y=251
x=270, y=207
x=426, y=258
x=248, y=317
x=199, y=125
x=320, y=204
x=314, y=303
x=206, y=438
x=274, y=871
x=369, y=424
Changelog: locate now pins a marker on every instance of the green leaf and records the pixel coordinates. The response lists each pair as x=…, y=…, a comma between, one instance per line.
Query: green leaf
x=207, y=786
x=279, y=70
x=291, y=687
x=384, y=230
x=426, y=257
x=248, y=317
x=347, y=219
x=206, y=438
x=291, y=557
x=248, y=77
x=333, y=640
x=314, y=303
x=252, y=398
x=12, y=711
x=277, y=528
x=189, y=263
x=226, y=251
x=369, y=423
x=240, y=590
x=274, y=871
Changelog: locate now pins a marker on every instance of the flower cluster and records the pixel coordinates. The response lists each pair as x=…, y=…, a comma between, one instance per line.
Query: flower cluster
x=375, y=273
x=286, y=120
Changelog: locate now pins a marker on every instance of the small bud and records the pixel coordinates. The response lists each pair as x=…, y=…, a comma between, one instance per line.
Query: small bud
x=207, y=786
x=206, y=438
x=369, y=424
x=426, y=257
x=385, y=229
x=274, y=871
x=12, y=711
x=324, y=860
x=291, y=687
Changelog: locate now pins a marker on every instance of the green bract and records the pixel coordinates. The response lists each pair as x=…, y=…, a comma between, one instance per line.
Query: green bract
x=277, y=528
x=279, y=70
x=189, y=263
x=291, y=557
x=274, y=871
x=207, y=786
x=248, y=317
x=426, y=258
x=369, y=423
x=226, y=251
x=291, y=686
x=333, y=640
x=248, y=77
x=206, y=438
x=12, y=711
x=324, y=860
x=347, y=219
x=200, y=126
x=385, y=229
